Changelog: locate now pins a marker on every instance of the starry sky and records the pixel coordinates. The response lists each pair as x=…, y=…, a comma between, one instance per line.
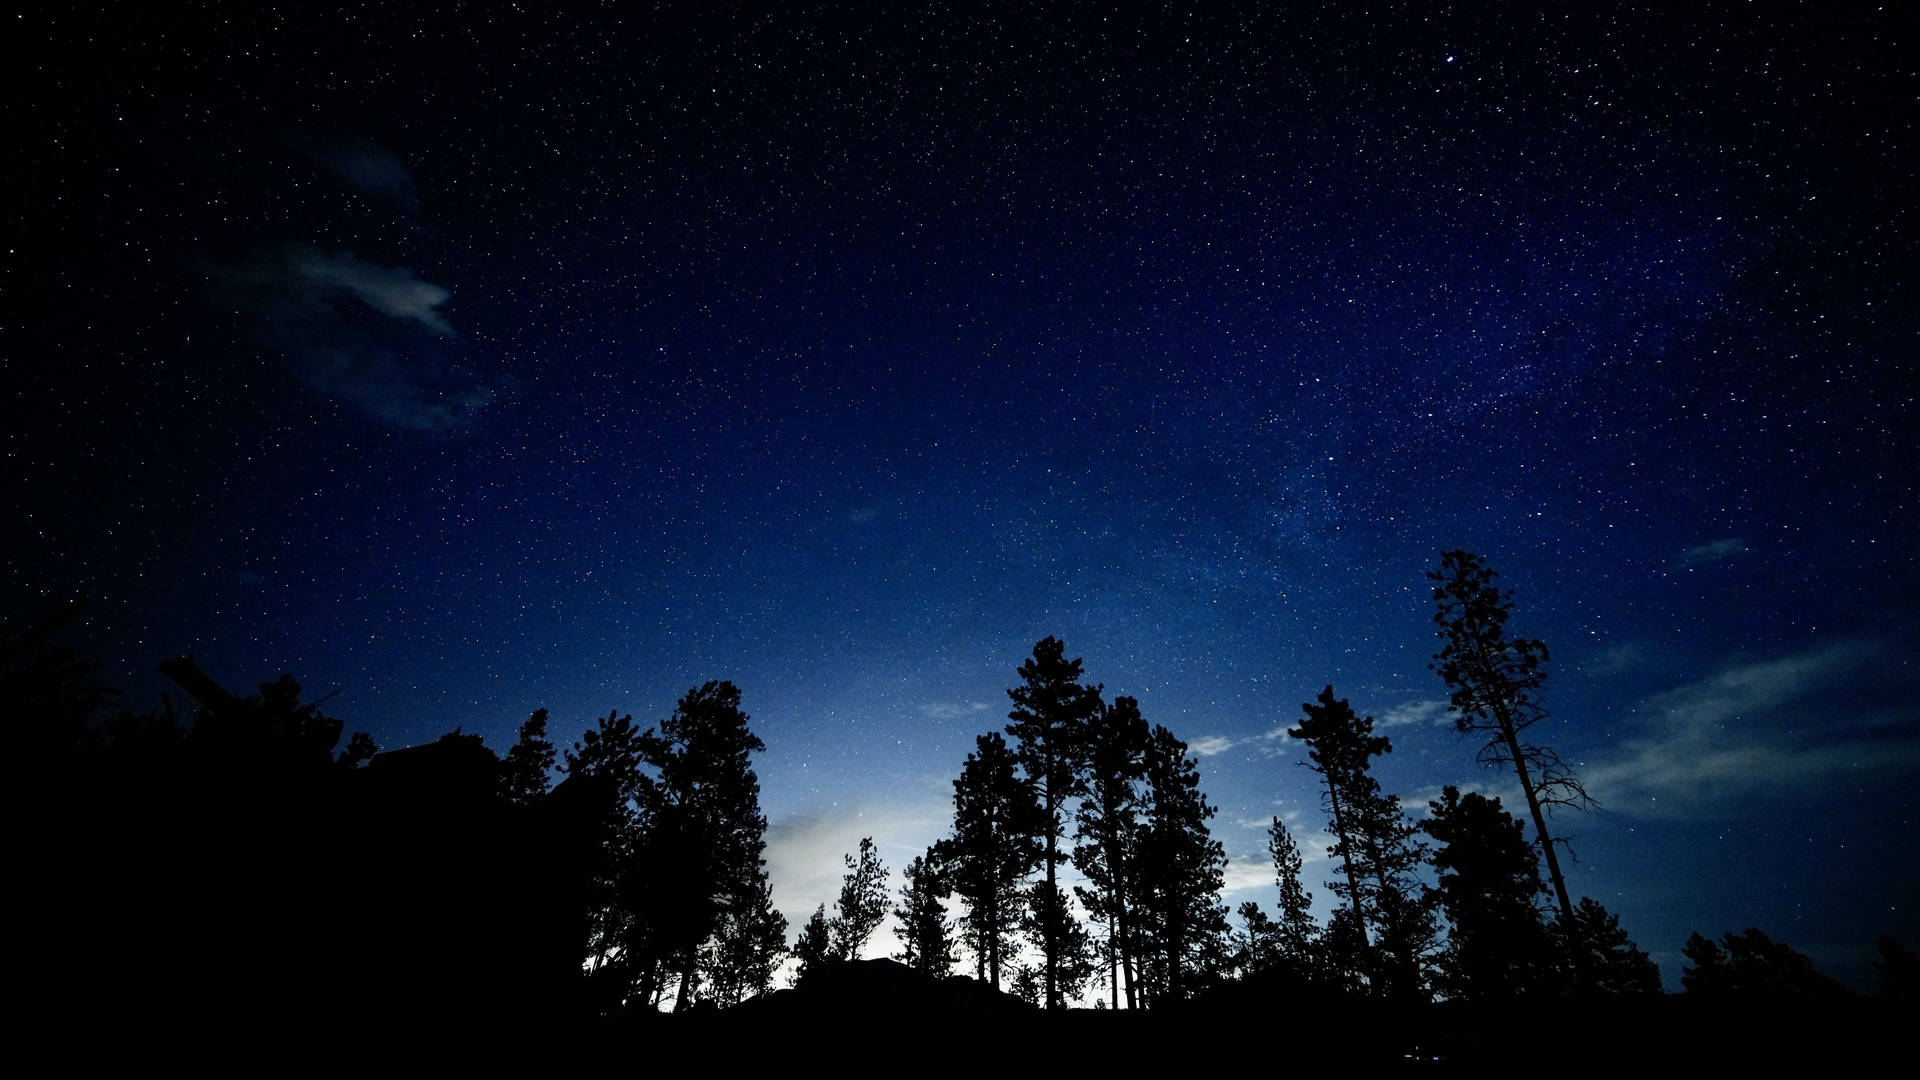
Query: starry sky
x=474, y=358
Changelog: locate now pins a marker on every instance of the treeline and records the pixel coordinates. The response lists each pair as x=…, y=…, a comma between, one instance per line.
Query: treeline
x=1461, y=905
x=235, y=852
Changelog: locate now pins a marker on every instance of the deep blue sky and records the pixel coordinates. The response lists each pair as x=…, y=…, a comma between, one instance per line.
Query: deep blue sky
x=470, y=361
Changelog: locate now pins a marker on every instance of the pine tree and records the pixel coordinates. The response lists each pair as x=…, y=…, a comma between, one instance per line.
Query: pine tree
x=1489, y=887
x=1373, y=841
x=1897, y=972
x=619, y=943
x=814, y=947
x=708, y=807
x=1050, y=713
x=925, y=932
x=1344, y=957
x=994, y=846
x=1496, y=680
x=1051, y=919
x=1257, y=944
x=1182, y=870
x=1295, y=932
x=863, y=902
x=1108, y=834
x=524, y=769
x=686, y=839
x=747, y=946
x=1607, y=962
x=1752, y=965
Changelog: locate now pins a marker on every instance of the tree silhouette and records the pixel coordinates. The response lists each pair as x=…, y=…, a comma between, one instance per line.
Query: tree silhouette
x=524, y=769
x=707, y=810
x=1029, y=985
x=994, y=846
x=1496, y=679
x=863, y=902
x=1295, y=931
x=814, y=947
x=1489, y=887
x=1182, y=870
x=1374, y=842
x=48, y=689
x=1604, y=960
x=1256, y=945
x=747, y=945
x=1345, y=959
x=1050, y=712
x=1108, y=833
x=685, y=842
x=925, y=932
x=619, y=936
x=1898, y=977
x=1752, y=965
x=1050, y=918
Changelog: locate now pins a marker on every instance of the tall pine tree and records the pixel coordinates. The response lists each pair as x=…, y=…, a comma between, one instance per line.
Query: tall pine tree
x=685, y=846
x=813, y=949
x=925, y=932
x=524, y=769
x=1295, y=931
x=1050, y=713
x=1374, y=842
x=1489, y=887
x=748, y=943
x=1108, y=834
x=1182, y=870
x=863, y=902
x=995, y=844
x=1496, y=679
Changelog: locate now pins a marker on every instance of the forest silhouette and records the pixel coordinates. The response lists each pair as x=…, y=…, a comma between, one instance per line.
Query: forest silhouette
x=225, y=863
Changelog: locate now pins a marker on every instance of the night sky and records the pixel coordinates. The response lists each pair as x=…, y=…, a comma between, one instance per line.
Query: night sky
x=470, y=359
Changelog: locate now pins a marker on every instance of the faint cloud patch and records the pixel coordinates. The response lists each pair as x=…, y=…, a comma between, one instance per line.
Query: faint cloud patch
x=1209, y=745
x=1246, y=873
x=1418, y=804
x=371, y=335
x=805, y=855
x=390, y=290
x=1746, y=731
x=1716, y=551
x=1275, y=743
x=1430, y=713
x=953, y=710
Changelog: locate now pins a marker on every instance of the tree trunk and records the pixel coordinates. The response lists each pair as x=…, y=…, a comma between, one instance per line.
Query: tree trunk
x=993, y=942
x=1539, y=819
x=1346, y=859
x=1050, y=927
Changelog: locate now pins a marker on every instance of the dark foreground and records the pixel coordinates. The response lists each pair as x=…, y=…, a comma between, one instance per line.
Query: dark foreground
x=876, y=1020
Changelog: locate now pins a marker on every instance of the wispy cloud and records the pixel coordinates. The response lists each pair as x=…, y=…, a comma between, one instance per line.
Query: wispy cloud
x=1253, y=870
x=1431, y=712
x=1712, y=552
x=805, y=854
x=389, y=290
x=1209, y=745
x=1747, y=730
x=1249, y=872
x=953, y=710
x=368, y=334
